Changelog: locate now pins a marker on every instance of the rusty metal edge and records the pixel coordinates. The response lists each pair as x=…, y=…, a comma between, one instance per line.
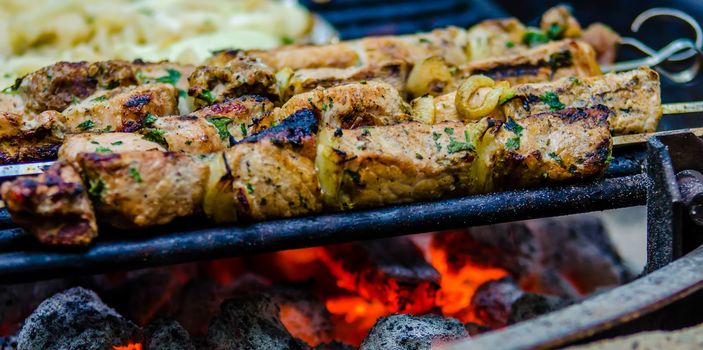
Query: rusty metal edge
x=618, y=306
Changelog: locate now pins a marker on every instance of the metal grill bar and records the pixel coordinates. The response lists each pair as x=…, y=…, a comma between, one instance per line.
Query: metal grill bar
x=323, y=229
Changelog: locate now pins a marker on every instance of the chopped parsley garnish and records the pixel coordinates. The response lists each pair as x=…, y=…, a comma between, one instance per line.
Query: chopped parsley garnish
x=556, y=158
x=436, y=135
x=94, y=142
x=155, y=135
x=86, y=125
x=74, y=100
x=102, y=149
x=287, y=40
x=149, y=119
x=509, y=44
x=555, y=31
x=560, y=59
x=250, y=188
x=182, y=93
x=96, y=188
x=207, y=96
x=172, y=76
x=100, y=99
x=116, y=143
x=534, y=37
x=575, y=80
x=363, y=82
x=14, y=88
x=134, y=174
x=220, y=124
x=552, y=100
x=419, y=156
x=458, y=146
x=449, y=131
x=107, y=128
x=189, y=142
x=243, y=127
x=425, y=40
x=513, y=143
x=512, y=125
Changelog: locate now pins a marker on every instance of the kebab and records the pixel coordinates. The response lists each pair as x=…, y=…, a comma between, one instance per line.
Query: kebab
x=287, y=170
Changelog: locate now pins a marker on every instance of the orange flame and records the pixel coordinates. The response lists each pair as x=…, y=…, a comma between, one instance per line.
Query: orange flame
x=354, y=316
x=458, y=287
x=130, y=346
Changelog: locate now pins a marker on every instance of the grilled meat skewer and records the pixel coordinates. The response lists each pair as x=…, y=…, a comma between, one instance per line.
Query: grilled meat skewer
x=633, y=97
x=273, y=174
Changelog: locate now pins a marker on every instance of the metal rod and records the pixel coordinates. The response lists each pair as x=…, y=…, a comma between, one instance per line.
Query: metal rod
x=627, y=140
x=600, y=313
x=682, y=107
x=35, y=262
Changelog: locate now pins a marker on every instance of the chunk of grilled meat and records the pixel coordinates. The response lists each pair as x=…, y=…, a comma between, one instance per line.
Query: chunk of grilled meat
x=633, y=97
x=140, y=189
x=240, y=76
x=121, y=109
x=413, y=161
x=351, y=105
x=61, y=85
x=395, y=164
x=543, y=148
x=53, y=206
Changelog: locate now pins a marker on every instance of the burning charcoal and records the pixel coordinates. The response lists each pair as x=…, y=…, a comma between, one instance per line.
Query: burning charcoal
x=493, y=301
x=558, y=256
x=303, y=314
x=392, y=271
x=167, y=335
x=407, y=332
x=334, y=346
x=250, y=323
x=76, y=319
x=531, y=305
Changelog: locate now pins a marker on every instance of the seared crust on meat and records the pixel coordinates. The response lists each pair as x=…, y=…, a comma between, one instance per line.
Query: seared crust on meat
x=240, y=76
x=396, y=164
x=57, y=86
x=544, y=63
x=117, y=142
x=122, y=109
x=634, y=98
x=297, y=132
x=25, y=138
x=544, y=148
x=53, y=206
x=140, y=189
x=352, y=105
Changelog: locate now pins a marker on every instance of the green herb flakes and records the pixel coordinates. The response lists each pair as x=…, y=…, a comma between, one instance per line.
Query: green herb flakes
x=116, y=143
x=86, y=125
x=513, y=143
x=243, y=128
x=206, y=95
x=134, y=174
x=99, y=99
x=149, y=119
x=155, y=135
x=102, y=149
x=250, y=188
x=172, y=76
x=552, y=100
x=96, y=188
x=220, y=124
x=513, y=126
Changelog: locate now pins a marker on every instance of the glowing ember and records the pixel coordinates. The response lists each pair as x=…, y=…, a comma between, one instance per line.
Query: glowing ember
x=458, y=287
x=299, y=325
x=130, y=346
x=354, y=316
